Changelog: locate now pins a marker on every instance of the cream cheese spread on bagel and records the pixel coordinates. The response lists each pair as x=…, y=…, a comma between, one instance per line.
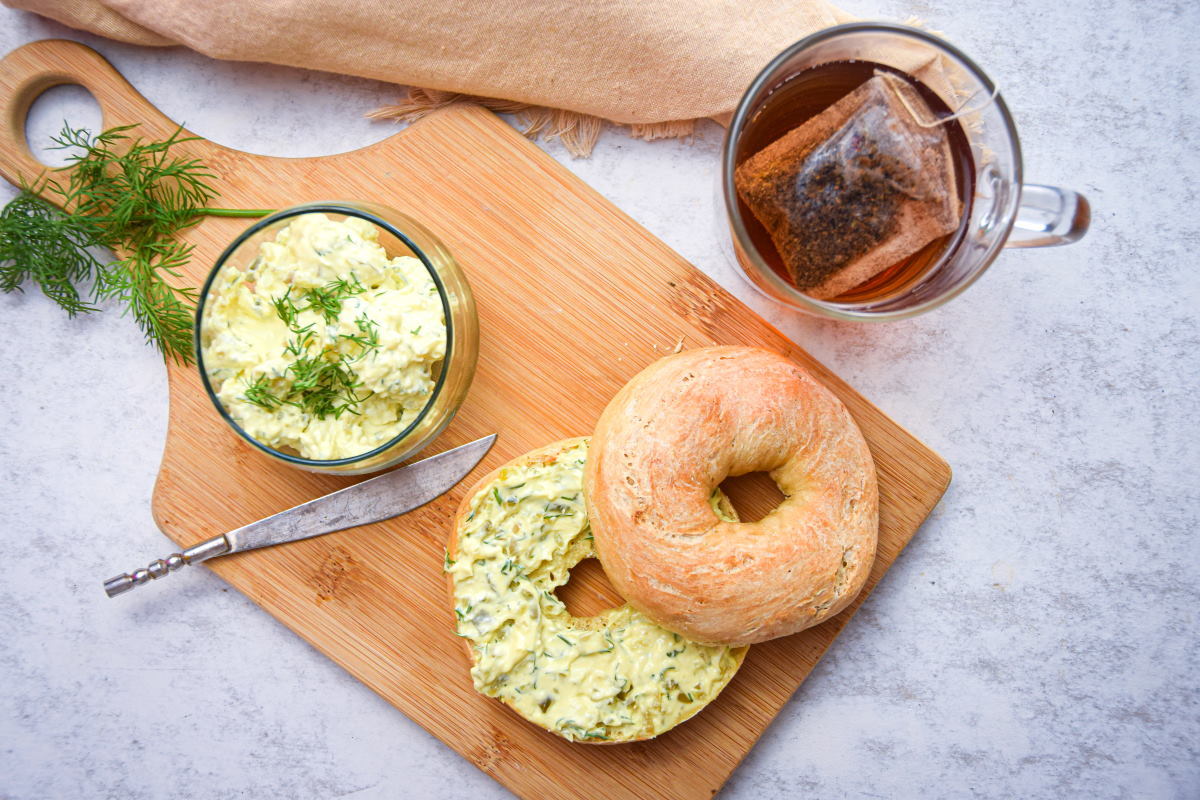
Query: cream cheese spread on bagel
x=324, y=299
x=614, y=677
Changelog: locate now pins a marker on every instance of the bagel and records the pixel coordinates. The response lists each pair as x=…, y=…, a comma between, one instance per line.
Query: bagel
x=678, y=429
x=614, y=677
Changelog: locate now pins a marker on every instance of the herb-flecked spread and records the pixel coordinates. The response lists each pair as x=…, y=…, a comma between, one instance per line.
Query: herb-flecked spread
x=613, y=677
x=323, y=344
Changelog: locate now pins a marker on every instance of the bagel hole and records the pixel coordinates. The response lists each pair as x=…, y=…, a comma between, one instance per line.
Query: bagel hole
x=753, y=495
x=587, y=592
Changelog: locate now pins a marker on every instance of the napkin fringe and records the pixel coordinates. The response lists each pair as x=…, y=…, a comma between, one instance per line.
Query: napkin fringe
x=578, y=132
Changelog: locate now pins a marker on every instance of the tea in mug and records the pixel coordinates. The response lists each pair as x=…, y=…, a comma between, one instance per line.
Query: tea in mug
x=855, y=178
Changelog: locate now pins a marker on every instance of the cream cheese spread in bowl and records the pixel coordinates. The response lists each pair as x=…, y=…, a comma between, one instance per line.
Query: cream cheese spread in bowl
x=337, y=337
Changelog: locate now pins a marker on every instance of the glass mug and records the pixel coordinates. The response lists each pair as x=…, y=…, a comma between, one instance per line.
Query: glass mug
x=1001, y=211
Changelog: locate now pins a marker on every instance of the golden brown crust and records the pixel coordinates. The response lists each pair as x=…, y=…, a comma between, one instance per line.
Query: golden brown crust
x=548, y=452
x=678, y=429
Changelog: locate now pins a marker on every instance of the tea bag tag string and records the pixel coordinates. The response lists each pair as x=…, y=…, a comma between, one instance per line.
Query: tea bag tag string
x=922, y=116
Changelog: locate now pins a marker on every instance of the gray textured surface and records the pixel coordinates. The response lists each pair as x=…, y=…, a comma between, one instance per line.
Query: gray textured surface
x=1038, y=639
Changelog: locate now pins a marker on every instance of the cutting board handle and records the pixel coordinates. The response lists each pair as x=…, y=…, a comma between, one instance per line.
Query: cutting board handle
x=32, y=69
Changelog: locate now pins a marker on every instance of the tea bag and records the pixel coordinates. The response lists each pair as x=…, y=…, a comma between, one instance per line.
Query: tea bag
x=860, y=187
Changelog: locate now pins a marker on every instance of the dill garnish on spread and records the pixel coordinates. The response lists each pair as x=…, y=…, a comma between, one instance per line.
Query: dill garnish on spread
x=323, y=382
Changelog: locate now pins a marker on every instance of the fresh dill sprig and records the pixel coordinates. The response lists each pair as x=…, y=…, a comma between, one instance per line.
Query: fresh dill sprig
x=285, y=309
x=346, y=287
x=327, y=300
x=367, y=337
x=259, y=393
x=41, y=243
x=323, y=386
x=324, y=302
x=164, y=312
x=299, y=346
x=125, y=194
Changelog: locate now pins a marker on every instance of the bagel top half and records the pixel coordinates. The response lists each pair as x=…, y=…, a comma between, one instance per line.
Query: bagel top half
x=669, y=438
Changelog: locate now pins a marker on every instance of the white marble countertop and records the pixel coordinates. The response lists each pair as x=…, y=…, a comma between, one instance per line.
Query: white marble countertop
x=1037, y=639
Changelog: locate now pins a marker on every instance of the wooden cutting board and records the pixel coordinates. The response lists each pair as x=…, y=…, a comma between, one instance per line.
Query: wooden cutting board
x=574, y=298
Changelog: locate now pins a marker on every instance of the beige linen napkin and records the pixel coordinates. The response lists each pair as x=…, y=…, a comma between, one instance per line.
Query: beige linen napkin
x=656, y=65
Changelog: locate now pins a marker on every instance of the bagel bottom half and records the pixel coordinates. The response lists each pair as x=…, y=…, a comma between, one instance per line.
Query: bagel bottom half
x=614, y=677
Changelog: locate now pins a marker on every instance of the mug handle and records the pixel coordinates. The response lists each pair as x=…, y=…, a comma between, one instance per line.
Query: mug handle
x=1049, y=216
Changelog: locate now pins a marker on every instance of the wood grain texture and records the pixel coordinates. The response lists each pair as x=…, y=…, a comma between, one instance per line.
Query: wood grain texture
x=574, y=298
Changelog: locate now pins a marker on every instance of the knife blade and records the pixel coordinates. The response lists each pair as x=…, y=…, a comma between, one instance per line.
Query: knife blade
x=374, y=500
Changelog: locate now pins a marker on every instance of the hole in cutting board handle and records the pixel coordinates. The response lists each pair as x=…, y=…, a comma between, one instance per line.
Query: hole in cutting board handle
x=69, y=104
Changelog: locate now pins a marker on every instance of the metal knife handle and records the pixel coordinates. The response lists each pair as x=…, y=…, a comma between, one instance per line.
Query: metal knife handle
x=123, y=583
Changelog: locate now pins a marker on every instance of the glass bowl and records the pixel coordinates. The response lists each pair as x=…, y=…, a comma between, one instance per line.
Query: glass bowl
x=399, y=235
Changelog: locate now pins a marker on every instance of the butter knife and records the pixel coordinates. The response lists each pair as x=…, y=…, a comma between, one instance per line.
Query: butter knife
x=384, y=497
